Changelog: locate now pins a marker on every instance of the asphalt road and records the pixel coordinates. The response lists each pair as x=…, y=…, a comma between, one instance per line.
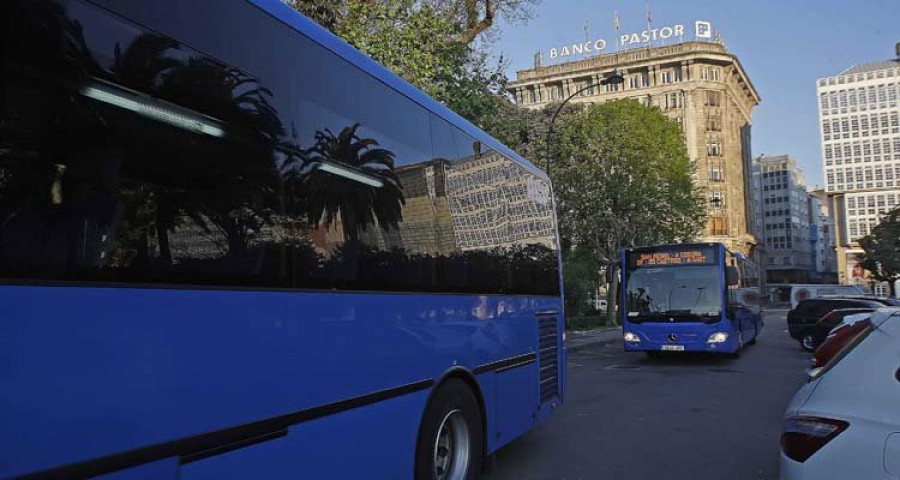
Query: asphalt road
x=682, y=416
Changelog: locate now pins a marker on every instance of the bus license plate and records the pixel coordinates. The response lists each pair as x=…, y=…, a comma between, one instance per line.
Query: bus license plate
x=676, y=348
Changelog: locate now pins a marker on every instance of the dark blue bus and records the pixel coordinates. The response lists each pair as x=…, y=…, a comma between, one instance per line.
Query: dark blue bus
x=689, y=297
x=232, y=246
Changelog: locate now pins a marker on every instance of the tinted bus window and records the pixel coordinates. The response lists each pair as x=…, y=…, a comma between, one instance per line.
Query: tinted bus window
x=126, y=156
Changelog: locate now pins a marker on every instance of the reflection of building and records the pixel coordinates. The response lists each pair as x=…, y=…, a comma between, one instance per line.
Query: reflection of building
x=426, y=226
x=496, y=204
x=784, y=218
x=700, y=85
x=859, y=123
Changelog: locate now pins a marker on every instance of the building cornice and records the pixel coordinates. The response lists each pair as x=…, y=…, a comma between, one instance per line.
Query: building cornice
x=679, y=52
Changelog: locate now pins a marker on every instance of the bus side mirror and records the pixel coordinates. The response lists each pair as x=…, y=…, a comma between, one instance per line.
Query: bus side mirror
x=731, y=275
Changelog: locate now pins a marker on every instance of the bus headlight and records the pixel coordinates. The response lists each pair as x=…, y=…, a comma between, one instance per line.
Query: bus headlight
x=718, y=337
x=632, y=338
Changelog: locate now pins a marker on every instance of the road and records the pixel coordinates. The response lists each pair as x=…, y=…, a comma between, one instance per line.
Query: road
x=683, y=416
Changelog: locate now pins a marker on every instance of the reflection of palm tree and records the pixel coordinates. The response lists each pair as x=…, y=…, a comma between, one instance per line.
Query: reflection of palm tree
x=357, y=205
x=239, y=199
x=242, y=175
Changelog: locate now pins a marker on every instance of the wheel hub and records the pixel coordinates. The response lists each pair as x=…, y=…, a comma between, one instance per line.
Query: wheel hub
x=451, y=447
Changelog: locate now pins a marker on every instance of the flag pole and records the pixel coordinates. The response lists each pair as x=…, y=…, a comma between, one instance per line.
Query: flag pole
x=616, y=24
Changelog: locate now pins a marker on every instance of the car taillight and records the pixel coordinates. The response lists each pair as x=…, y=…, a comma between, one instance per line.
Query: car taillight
x=837, y=345
x=804, y=436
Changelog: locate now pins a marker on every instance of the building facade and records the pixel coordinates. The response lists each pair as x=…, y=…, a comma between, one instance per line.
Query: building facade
x=784, y=217
x=821, y=239
x=859, y=125
x=698, y=84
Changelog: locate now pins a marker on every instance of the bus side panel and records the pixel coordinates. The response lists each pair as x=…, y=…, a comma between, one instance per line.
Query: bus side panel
x=377, y=438
x=97, y=371
x=516, y=393
x=160, y=470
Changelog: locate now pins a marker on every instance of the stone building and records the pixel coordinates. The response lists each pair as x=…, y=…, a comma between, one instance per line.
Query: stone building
x=698, y=84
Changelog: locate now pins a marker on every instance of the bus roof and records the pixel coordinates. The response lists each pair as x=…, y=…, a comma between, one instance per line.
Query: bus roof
x=280, y=11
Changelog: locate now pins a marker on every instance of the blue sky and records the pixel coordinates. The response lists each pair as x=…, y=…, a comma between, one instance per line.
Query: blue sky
x=783, y=45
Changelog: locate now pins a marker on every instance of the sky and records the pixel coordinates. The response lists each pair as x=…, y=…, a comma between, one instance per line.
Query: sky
x=784, y=46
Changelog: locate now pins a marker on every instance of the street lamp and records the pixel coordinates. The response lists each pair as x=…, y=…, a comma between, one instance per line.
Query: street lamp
x=614, y=79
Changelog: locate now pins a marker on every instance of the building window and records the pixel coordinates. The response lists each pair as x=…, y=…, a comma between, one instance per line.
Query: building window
x=717, y=200
x=667, y=77
x=589, y=87
x=556, y=92
x=717, y=175
x=718, y=226
x=713, y=98
x=674, y=100
x=714, y=148
x=713, y=123
x=634, y=81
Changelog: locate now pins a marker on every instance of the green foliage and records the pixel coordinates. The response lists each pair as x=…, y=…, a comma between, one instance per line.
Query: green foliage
x=414, y=42
x=882, y=249
x=420, y=42
x=581, y=269
x=623, y=178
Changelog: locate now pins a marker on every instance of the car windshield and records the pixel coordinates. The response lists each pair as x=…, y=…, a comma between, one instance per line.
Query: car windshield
x=674, y=292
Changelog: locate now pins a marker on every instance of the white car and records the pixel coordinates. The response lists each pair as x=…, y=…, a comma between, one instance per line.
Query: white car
x=845, y=422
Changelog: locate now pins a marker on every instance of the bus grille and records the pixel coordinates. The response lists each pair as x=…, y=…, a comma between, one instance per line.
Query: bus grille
x=549, y=358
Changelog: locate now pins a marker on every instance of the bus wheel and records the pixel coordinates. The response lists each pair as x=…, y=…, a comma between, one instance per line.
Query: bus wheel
x=450, y=444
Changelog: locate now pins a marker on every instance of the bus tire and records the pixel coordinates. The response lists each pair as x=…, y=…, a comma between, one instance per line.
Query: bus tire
x=450, y=443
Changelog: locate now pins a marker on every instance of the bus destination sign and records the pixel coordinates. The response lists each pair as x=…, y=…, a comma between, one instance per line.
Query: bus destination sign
x=698, y=256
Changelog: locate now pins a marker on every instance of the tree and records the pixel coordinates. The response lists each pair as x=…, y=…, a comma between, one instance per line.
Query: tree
x=475, y=17
x=882, y=249
x=327, y=13
x=623, y=178
x=430, y=44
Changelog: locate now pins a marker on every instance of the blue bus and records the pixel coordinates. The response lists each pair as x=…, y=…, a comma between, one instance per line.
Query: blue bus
x=232, y=246
x=689, y=297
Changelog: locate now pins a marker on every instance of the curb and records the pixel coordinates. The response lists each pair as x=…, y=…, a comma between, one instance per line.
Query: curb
x=575, y=348
x=578, y=346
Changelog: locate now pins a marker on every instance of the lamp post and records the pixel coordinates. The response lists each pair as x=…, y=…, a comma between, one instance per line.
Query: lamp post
x=614, y=79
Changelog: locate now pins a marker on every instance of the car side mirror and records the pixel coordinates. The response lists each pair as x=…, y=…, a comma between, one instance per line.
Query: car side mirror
x=731, y=275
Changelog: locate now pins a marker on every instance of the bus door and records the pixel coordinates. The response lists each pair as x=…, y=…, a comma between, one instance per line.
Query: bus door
x=740, y=315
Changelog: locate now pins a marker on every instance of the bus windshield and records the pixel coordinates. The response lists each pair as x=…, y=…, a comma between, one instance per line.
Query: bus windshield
x=676, y=293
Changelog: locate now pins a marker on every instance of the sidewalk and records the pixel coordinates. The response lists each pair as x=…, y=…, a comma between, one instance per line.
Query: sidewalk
x=576, y=340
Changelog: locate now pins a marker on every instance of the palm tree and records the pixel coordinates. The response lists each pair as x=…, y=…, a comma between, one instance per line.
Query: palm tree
x=356, y=205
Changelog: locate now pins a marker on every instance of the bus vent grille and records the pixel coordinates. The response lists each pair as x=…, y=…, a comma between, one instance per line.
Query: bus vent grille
x=549, y=358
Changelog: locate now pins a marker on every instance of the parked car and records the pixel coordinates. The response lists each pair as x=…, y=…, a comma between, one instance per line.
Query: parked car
x=844, y=422
x=800, y=292
x=804, y=321
x=886, y=301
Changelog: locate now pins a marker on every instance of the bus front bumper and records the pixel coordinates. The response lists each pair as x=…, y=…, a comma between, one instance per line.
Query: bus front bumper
x=684, y=341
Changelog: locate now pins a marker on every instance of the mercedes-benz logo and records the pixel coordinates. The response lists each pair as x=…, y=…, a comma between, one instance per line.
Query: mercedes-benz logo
x=672, y=337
